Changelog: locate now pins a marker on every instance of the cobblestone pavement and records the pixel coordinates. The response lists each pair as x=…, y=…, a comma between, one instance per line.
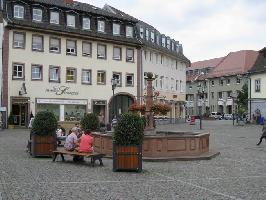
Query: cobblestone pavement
x=238, y=173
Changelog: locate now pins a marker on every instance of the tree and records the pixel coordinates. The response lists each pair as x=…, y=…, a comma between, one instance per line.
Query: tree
x=242, y=100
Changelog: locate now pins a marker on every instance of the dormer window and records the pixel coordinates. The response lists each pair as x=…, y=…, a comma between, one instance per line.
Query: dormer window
x=129, y=31
x=37, y=14
x=168, y=43
x=101, y=26
x=54, y=17
x=141, y=32
x=158, y=39
x=116, y=29
x=152, y=36
x=71, y=21
x=173, y=46
x=18, y=12
x=147, y=34
x=86, y=23
x=163, y=41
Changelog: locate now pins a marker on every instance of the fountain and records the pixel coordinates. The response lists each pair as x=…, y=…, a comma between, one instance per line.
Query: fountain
x=162, y=145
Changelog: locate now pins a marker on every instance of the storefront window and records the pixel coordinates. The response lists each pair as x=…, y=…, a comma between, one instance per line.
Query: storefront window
x=49, y=107
x=74, y=112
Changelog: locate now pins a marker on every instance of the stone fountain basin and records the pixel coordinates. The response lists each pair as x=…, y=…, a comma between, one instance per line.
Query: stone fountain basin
x=162, y=145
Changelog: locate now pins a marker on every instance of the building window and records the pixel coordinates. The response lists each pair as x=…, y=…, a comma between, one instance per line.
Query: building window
x=151, y=56
x=18, y=71
x=158, y=39
x=117, y=54
x=86, y=23
x=141, y=32
x=86, y=48
x=129, y=31
x=212, y=95
x=116, y=29
x=36, y=72
x=212, y=83
x=173, y=46
x=147, y=34
x=118, y=77
x=176, y=85
x=71, y=75
x=220, y=95
x=257, y=85
x=19, y=12
x=238, y=80
x=71, y=47
x=19, y=40
x=130, y=55
x=37, y=43
x=152, y=36
x=162, y=59
x=163, y=41
x=161, y=82
x=55, y=45
x=71, y=21
x=228, y=81
x=168, y=43
x=101, y=77
x=37, y=15
x=86, y=76
x=129, y=80
x=54, y=74
x=101, y=26
x=101, y=51
x=221, y=82
x=54, y=17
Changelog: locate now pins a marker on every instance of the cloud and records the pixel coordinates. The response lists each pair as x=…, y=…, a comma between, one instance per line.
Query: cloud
x=207, y=28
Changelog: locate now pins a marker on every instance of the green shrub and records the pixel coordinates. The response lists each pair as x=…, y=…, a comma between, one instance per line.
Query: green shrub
x=44, y=123
x=10, y=119
x=90, y=122
x=129, y=130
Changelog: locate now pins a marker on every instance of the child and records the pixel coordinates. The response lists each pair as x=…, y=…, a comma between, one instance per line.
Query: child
x=263, y=134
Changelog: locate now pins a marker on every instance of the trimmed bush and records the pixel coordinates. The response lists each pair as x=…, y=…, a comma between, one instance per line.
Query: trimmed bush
x=129, y=130
x=90, y=122
x=44, y=123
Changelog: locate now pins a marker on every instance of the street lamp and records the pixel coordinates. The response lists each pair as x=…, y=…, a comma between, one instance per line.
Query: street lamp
x=114, y=84
x=201, y=94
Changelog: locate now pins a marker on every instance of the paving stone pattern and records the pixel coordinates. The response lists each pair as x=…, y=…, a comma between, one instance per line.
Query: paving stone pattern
x=238, y=173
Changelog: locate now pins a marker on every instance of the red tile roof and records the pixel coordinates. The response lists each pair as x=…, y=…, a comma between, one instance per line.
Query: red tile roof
x=205, y=63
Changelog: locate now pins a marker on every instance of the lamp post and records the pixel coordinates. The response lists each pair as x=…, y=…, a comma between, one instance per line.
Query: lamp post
x=201, y=93
x=114, y=84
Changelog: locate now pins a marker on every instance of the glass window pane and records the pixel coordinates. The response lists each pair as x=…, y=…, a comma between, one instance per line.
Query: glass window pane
x=129, y=31
x=86, y=76
x=101, y=26
x=54, y=18
x=116, y=29
x=86, y=23
x=86, y=49
x=37, y=43
x=37, y=15
x=71, y=20
x=54, y=108
x=74, y=112
x=101, y=51
x=18, y=40
x=117, y=53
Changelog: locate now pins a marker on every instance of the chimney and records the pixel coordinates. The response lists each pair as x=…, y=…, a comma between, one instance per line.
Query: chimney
x=69, y=1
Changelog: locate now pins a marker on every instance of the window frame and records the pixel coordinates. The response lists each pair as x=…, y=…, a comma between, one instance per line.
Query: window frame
x=86, y=55
x=90, y=77
x=23, y=71
x=70, y=53
x=41, y=72
x=37, y=50
x=147, y=36
x=120, y=56
x=257, y=85
x=101, y=83
x=129, y=74
x=68, y=24
x=55, y=38
x=141, y=32
x=119, y=84
x=83, y=27
x=18, y=6
x=55, y=12
x=36, y=20
x=118, y=25
x=99, y=25
x=74, y=75
x=105, y=52
x=128, y=60
x=129, y=34
x=59, y=74
x=24, y=43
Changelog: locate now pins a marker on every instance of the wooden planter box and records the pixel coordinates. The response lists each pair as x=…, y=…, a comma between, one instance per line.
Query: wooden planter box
x=127, y=158
x=42, y=145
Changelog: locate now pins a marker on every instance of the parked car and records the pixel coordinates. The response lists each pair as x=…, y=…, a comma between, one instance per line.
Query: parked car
x=228, y=116
x=216, y=115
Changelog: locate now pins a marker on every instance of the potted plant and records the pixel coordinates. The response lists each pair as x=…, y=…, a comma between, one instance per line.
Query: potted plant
x=43, y=134
x=10, y=121
x=136, y=107
x=90, y=122
x=127, y=143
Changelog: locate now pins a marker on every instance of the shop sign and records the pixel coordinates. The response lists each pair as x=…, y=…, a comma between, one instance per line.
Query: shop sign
x=2, y=109
x=62, y=101
x=61, y=90
x=99, y=103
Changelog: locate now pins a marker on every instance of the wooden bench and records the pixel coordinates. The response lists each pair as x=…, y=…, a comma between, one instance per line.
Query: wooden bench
x=94, y=156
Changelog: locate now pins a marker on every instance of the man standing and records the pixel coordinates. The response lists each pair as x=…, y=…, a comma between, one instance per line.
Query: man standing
x=263, y=134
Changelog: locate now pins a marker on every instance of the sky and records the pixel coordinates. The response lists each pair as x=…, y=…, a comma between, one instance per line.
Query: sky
x=207, y=29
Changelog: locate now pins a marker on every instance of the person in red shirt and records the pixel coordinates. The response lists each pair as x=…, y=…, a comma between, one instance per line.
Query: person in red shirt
x=85, y=143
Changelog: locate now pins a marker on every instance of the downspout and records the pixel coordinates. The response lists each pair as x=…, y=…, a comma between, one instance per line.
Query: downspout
x=249, y=80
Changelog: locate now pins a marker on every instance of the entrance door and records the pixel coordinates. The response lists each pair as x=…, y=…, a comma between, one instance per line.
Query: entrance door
x=20, y=113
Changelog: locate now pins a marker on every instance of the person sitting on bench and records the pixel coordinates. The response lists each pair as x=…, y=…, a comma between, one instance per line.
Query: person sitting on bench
x=85, y=143
x=72, y=140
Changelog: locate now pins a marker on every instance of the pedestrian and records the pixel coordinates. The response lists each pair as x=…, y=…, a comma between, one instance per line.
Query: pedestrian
x=263, y=134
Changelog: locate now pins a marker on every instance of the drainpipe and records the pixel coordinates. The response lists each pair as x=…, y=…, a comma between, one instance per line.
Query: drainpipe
x=249, y=80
